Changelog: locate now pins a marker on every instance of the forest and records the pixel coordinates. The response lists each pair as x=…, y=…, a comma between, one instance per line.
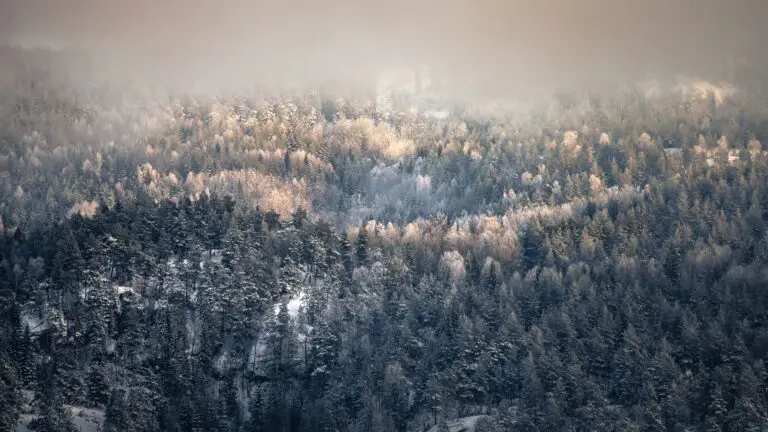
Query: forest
x=303, y=261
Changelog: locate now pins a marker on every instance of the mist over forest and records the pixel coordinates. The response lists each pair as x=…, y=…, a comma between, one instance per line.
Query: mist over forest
x=404, y=216
x=499, y=46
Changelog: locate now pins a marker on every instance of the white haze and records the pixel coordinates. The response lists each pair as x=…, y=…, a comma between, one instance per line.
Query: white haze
x=483, y=47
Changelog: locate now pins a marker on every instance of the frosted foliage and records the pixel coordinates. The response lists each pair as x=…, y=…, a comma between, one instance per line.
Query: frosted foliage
x=485, y=234
x=85, y=208
x=705, y=89
x=497, y=236
x=146, y=173
x=250, y=186
x=173, y=179
x=489, y=264
x=595, y=183
x=723, y=142
x=458, y=236
x=412, y=233
x=645, y=140
x=570, y=139
x=457, y=129
x=363, y=132
x=526, y=177
x=377, y=232
x=423, y=183
x=453, y=263
x=393, y=373
x=371, y=228
x=389, y=233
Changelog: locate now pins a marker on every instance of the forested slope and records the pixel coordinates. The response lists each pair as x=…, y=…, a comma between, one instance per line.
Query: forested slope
x=589, y=262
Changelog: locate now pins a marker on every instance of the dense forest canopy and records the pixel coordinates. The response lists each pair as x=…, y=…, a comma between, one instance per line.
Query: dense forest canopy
x=306, y=261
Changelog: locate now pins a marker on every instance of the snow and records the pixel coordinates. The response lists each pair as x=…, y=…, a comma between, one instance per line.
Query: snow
x=294, y=304
x=464, y=424
x=35, y=324
x=193, y=327
x=320, y=370
x=24, y=421
x=123, y=289
x=258, y=351
x=85, y=419
x=302, y=336
x=221, y=360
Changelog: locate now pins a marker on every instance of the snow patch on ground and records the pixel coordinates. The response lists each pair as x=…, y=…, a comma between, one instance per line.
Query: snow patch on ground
x=123, y=289
x=85, y=419
x=465, y=424
x=24, y=421
x=294, y=304
x=258, y=353
x=35, y=324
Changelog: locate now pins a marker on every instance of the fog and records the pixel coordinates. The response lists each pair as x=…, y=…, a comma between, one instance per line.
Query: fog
x=490, y=46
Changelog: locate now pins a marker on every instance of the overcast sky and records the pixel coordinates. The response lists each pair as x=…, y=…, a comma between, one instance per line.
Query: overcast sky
x=494, y=41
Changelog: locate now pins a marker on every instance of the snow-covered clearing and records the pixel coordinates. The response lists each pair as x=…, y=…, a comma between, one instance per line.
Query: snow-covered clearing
x=85, y=419
x=465, y=424
x=294, y=304
x=35, y=324
x=123, y=289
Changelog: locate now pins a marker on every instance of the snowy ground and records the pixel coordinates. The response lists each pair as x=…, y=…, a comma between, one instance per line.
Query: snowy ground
x=258, y=351
x=294, y=304
x=465, y=424
x=86, y=419
x=35, y=324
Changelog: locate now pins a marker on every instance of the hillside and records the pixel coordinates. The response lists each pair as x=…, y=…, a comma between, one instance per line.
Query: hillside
x=302, y=262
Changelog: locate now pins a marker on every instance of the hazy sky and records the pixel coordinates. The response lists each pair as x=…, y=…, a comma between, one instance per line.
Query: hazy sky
x=494, y=42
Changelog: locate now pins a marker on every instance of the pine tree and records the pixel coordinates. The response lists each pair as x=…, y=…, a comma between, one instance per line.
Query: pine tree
x=117, y=416
x=25, y=359
x=346, y=258
x=99, y=309
x=54, y=416
x=442, y=426
x=10, y=397
x=716, y=409
x=361, y=246
x=282, y=341
x=256, y=410
x=97, y=383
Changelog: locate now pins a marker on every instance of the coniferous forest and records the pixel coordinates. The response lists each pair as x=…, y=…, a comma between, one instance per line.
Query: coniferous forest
x=304, y=262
